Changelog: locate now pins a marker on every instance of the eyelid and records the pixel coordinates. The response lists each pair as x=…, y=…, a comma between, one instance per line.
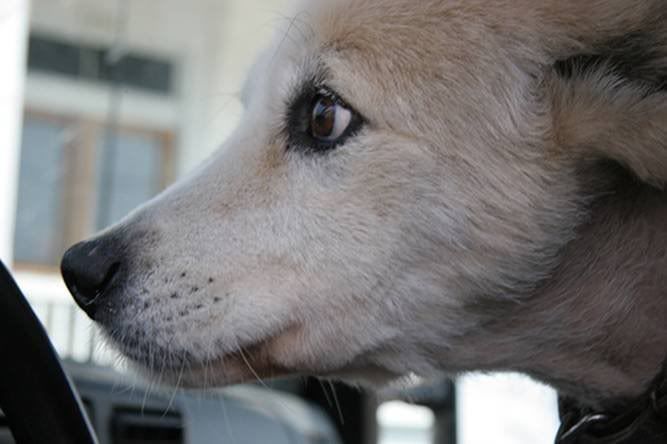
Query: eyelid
x=338, y=100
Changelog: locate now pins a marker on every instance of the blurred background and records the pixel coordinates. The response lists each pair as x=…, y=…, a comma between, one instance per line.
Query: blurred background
x=103, y=103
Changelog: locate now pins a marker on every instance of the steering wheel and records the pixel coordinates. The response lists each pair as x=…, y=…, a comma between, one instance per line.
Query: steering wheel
x=37, y=397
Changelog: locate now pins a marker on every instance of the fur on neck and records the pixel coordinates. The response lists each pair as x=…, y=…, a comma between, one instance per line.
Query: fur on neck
x=597, y=329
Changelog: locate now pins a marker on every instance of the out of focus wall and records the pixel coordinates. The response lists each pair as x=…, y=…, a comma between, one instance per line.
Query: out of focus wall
x=212, y=42
x=13, y=31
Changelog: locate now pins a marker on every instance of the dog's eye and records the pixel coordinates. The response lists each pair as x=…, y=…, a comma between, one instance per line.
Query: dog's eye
x=328, y=119
x=319, y=120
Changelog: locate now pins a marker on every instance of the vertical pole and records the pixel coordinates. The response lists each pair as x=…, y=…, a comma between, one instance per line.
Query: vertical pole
x=71, y=332
x=113, y=59
x=445, y=417
x=13, y=49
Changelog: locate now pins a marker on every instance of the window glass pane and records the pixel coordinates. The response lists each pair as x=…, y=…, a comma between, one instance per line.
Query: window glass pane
x=37, y=236
x=132, y=165
x=62, y=56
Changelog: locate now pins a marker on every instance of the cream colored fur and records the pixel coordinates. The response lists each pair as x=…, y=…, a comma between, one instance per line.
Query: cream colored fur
x=471, y=224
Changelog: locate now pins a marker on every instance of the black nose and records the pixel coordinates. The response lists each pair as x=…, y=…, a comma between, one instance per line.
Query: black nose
x=89, y=268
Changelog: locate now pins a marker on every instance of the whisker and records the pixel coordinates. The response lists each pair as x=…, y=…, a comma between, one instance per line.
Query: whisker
x=252, y=370
x=335, y=397
x=150, y=381
x=326, y=393
x=145, y=398
x=292, y=25
x=225, y=416
x=173, y=395
x=205, y=365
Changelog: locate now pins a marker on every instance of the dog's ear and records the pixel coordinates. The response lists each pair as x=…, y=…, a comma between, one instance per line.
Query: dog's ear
x=565, y=28
x=610, y=101
x=600, y=115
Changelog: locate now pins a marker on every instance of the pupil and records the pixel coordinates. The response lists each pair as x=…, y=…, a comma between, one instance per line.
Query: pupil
x=324, y=118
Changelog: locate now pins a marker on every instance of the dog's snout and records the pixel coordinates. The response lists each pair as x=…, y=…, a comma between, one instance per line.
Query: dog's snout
x=89, y=268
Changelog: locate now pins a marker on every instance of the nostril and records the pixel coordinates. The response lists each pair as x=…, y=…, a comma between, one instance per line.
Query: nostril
x=113, y=270
x=89, y=271
x=99, y=290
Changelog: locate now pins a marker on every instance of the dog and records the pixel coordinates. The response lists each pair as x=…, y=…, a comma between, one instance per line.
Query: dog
x=416, y=188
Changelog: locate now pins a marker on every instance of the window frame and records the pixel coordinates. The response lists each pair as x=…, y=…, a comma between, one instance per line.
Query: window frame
x=79, y=187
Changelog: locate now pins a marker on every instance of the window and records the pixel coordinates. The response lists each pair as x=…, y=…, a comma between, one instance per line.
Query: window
x=76, y=178
x=39, y=218
x=130, y=426
x=129, y=173
x=58, y=56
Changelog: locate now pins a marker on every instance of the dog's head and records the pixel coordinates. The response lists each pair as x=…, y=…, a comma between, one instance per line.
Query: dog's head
x=397, y=160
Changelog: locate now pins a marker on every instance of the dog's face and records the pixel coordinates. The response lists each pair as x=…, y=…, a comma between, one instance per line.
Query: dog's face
x=395, y=164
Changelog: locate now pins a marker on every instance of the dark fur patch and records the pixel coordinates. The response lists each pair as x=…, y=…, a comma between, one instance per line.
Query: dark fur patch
x=639, y=57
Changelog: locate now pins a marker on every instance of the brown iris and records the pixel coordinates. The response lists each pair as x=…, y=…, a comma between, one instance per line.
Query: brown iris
x=323, y=118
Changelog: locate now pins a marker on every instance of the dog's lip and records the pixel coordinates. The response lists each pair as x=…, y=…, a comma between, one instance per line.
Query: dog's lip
x=249, y=362
x=246, y=365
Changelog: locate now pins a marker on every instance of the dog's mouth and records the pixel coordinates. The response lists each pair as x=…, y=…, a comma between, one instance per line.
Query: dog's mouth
x=249, y=362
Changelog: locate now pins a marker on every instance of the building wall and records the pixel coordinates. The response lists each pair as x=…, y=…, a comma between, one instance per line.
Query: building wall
x=212, y=42
x=13, y=29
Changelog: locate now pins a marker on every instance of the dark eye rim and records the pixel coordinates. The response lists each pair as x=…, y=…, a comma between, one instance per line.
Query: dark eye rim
x=298, y=121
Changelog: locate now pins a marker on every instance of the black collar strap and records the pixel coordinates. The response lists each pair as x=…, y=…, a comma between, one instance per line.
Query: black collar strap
x=643, y=421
